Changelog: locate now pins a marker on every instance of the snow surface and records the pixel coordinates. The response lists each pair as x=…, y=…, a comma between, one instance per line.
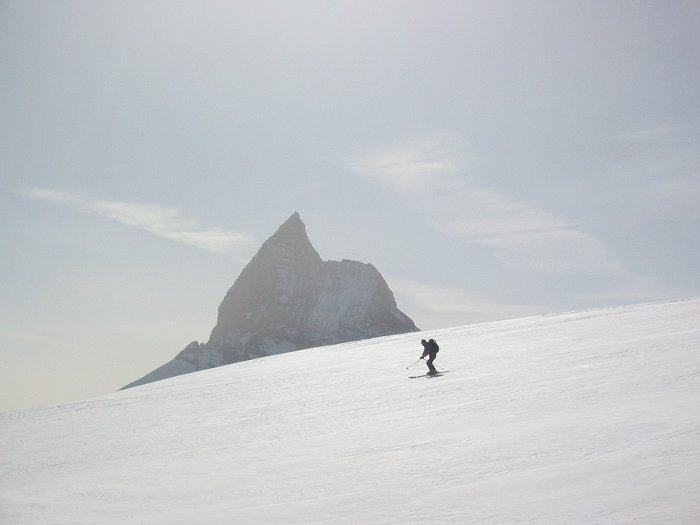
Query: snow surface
x=579, y=418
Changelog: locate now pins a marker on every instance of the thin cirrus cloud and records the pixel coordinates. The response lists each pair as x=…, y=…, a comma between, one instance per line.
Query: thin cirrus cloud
x=657, y=134
x=156, y=219
x=28, y=337
x=430, y=174
x=442, y=306
x=416, y=167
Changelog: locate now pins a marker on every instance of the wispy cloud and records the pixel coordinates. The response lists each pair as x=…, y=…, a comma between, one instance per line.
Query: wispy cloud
x=440, y=306
x=14, y=337
x=656, y=134
x=414, y=167
x=156, y=219
x=679, y=186
x=431, y=175
x=635, y=288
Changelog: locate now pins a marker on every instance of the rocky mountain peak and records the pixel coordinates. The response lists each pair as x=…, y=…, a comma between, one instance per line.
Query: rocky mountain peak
x=290, y=242
x=287, y=298
x=292, y=228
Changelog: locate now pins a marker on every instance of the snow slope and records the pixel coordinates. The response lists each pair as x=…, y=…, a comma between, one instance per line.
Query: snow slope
x=579, y=418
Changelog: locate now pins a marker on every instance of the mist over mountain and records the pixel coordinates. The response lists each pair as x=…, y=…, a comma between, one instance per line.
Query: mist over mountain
x=288, y=298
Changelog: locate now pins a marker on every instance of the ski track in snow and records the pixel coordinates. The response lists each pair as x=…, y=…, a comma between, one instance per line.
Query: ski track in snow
x=578, y=418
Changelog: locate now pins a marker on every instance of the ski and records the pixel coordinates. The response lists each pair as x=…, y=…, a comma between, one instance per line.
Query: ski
x=429, y=375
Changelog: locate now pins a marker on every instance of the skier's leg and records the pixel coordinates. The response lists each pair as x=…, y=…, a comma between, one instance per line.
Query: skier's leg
x=430, y=362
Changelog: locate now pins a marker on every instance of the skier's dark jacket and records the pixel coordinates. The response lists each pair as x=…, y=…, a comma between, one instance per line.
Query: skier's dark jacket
x=430, y=348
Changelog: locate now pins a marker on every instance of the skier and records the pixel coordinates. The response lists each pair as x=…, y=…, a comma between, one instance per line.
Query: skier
x=430, y=348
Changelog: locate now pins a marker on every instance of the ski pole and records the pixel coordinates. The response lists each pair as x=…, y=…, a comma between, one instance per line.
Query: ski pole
x=413, y=363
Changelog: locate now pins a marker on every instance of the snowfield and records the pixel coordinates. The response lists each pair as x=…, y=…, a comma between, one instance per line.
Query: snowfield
x=578, y=418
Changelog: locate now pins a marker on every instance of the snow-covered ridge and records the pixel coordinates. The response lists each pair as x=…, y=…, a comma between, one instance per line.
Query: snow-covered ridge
x=586, y=417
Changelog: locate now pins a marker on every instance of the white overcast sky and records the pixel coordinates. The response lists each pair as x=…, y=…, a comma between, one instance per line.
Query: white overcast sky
x=492, y=159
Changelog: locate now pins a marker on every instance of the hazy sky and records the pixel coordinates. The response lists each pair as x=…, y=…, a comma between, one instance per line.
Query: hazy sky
x=491, y=159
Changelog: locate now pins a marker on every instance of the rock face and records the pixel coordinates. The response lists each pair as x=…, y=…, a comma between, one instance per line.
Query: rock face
x=287, y=298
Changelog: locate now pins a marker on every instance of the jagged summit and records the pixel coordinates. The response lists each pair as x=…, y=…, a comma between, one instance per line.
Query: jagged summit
x=292, y=228
x=289, y=243
x=287, y=298
x=292, y=233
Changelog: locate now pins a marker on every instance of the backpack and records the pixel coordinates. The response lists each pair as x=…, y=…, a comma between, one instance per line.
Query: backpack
x=434, y=346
